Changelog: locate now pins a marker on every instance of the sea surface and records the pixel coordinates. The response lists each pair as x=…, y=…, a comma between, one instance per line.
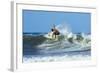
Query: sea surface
x=37, y=48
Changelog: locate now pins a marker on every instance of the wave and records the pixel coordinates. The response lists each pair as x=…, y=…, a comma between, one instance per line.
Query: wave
x=58, y=56
x=67, y=41
x=40, y=42
x=69, y=46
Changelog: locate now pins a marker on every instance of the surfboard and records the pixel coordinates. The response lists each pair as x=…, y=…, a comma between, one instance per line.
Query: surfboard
x=50, y=36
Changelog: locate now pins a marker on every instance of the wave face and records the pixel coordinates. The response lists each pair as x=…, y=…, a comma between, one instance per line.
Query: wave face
x=69, y=46
x=38, y=48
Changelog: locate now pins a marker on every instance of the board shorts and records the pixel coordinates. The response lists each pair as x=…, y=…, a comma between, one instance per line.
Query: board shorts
x=56, y=33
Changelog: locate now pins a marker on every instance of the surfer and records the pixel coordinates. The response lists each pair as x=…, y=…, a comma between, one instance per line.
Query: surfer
x=55, y=33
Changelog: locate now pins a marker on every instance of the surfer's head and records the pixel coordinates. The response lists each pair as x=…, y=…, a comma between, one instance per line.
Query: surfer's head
x=52, y=29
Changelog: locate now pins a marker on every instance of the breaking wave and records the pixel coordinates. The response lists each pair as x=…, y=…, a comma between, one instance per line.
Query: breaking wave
x=38, y=46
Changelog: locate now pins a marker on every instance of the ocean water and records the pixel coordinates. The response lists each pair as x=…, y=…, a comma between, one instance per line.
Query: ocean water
x=37, y=48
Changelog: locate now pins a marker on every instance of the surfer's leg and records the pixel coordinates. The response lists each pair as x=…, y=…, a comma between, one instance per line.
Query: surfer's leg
x=55, y=36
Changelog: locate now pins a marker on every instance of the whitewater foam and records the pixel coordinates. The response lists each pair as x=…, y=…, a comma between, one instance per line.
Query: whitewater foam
x=56, y=58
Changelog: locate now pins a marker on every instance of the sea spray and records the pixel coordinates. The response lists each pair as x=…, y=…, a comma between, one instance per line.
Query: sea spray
x=63, y=29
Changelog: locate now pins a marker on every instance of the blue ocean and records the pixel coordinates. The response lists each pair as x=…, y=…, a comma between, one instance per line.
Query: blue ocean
x=38, y=48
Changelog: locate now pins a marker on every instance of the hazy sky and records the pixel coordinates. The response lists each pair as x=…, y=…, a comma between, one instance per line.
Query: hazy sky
x=42, y=21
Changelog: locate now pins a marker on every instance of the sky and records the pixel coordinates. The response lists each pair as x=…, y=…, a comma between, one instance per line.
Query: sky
x=42, y=21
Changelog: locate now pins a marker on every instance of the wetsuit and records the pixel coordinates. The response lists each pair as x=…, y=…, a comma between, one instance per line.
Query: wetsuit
x=55, y=33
